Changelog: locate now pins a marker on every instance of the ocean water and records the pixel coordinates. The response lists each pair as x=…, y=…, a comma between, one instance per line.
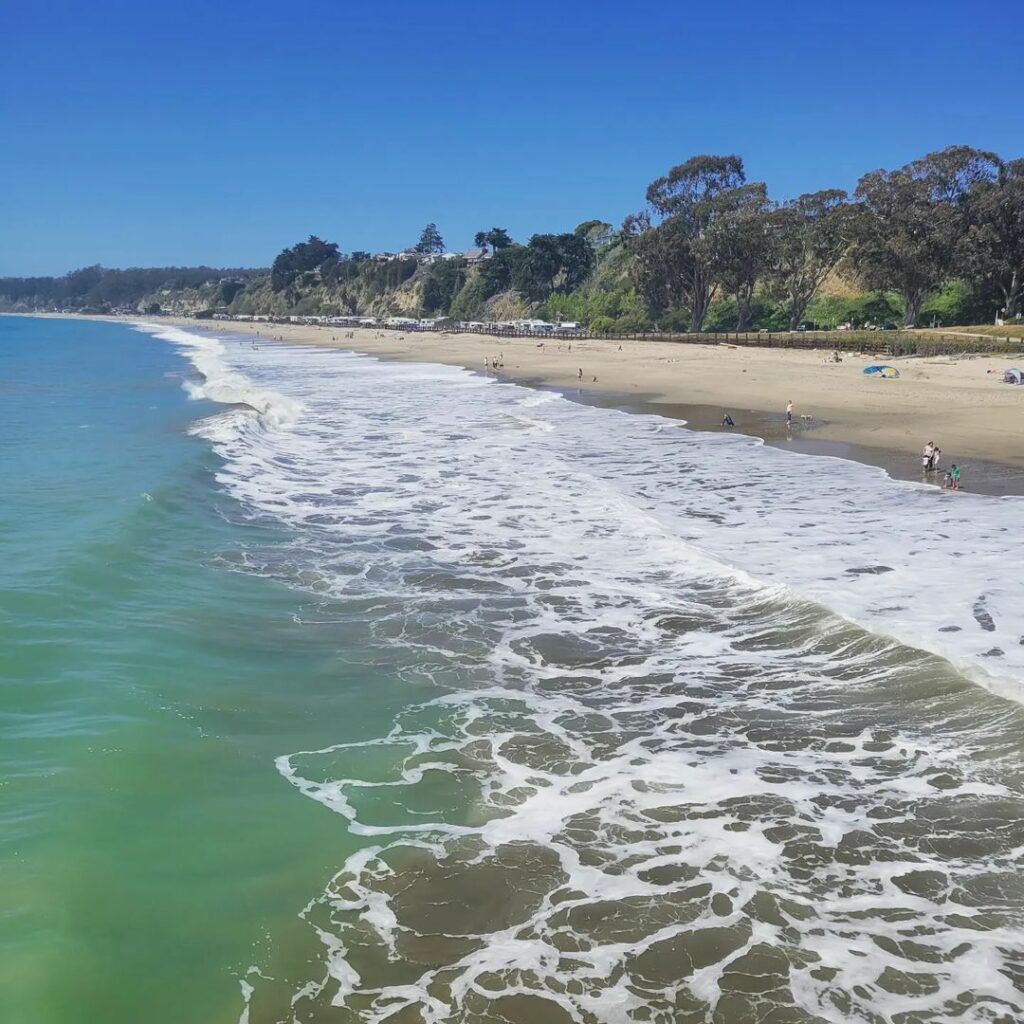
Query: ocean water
x=348, y=690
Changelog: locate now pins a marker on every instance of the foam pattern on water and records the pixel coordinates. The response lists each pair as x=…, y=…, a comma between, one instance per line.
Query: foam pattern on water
x=661, y=771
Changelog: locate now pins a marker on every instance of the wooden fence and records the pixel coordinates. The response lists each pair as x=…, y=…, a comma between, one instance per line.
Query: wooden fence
x=892, y=343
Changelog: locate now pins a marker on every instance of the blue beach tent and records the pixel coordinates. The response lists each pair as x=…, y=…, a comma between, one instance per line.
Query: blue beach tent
x=882, y=371
x=1013, y=377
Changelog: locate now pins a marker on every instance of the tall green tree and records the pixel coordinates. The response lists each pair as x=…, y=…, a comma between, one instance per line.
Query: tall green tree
x=809, y=235
x=300, y=259
x=913, y=221
x=552, y=262
x=496, y=238
x=994, y=245
x=430, y=240
x=742, y=243
x=676, y=240
x=442, y=284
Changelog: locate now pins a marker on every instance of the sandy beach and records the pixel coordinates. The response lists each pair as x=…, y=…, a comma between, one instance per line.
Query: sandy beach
x=958, y=402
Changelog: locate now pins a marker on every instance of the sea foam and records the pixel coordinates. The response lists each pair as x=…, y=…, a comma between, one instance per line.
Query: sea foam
x=694, y=735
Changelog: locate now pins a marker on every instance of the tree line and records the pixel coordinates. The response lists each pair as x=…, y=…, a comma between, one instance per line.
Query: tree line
x=704, y=234
x=953, y=214
x=548, y=262
x=101, y=287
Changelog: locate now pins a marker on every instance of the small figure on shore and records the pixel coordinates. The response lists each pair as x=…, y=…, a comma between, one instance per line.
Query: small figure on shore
x=789, y=413
x=594, y=381
x=947, y=480
x=620, y=348
x=926, y=456
x=727, y=421
x=570, y=346
x=579, y=373
x=935, y=459
x=954, y=472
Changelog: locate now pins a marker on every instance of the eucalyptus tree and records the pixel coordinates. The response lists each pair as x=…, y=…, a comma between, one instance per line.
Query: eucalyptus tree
x=743, y=245
x=914, y=221
x=809, y=235
x=994, y=245
x=677, y=239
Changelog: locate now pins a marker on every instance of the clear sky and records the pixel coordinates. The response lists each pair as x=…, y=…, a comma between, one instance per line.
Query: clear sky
x=219, y=131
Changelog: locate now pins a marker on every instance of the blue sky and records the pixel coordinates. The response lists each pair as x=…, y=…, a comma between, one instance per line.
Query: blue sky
x=219, y=132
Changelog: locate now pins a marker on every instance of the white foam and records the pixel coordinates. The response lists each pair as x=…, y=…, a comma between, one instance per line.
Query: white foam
x=219, y=382
x=618, y=612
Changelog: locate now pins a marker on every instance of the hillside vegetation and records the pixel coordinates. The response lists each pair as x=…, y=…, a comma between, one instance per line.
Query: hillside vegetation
x=939, y=241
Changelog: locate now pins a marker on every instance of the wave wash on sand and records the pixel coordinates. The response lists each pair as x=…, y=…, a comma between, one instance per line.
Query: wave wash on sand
x=697, y=741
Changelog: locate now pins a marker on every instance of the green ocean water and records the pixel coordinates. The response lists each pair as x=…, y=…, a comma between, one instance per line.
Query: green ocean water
x=149, y=851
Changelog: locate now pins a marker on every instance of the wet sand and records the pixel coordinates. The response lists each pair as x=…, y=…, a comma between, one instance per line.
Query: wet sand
x=981, y=476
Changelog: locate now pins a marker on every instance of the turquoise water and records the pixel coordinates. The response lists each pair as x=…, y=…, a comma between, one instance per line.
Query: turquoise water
x=149, y=850
x=337, y=690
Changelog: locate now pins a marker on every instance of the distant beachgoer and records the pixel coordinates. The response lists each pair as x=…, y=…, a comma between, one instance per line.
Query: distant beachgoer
x=954, y=472
x=926, y=456
x=594, y=381
x=947, y=480
x=570, y=346
x=579, y=373
x=727, y=421
x=620, y=348
x=789, y=413
x=935, y=459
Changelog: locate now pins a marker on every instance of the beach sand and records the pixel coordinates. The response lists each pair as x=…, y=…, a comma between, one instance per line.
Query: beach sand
x=957, y=402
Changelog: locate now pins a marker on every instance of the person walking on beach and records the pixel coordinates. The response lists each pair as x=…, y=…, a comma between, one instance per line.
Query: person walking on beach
x=789, y=413
x=579, y=373
x=954, y=472
x=727, y=421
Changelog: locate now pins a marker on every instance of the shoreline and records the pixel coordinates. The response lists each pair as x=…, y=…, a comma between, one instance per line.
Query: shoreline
x=956, y=401
x=993, y=478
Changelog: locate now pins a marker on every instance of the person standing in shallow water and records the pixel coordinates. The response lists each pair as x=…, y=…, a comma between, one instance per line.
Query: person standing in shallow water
x=579, y=373
x=789, y=413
